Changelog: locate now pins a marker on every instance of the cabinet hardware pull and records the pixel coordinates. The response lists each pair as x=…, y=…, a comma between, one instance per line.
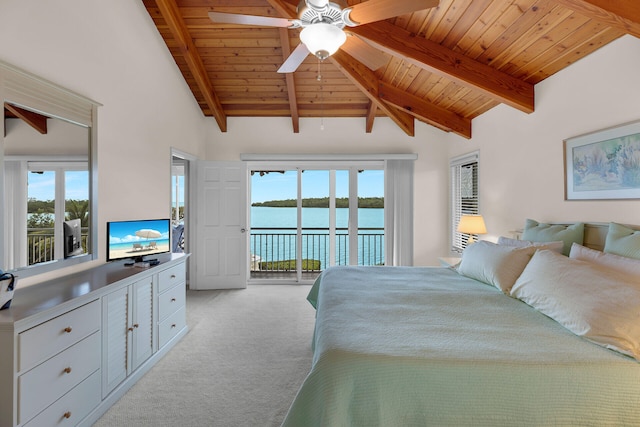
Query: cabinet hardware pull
x=67, y=415
x=67, y=370
x=173, y=325
x=68, y=329
x=135, y=325
x=173, y=276
x=130, y=329
x=173, y=300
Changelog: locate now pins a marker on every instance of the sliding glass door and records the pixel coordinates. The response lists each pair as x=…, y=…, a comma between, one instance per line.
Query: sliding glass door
x=310, y=216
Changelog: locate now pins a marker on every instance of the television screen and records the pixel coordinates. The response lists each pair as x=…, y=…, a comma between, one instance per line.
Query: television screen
x=72, y=234
x=137, y=239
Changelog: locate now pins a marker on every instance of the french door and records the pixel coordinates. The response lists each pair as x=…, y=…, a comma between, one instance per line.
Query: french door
x=311, y=215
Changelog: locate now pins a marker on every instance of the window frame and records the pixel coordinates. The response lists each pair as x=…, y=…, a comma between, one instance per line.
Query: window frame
x=459, y=205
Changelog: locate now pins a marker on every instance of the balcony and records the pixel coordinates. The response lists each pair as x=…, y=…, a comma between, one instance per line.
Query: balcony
x=41, y=243
x=274, y=251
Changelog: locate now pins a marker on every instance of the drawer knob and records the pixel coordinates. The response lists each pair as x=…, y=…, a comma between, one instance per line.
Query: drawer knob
x=67, y=415
x=67, y=370
x=68, y=329
x=173, y=276
x=130, y=329
x=173, y=325
x=173, y=300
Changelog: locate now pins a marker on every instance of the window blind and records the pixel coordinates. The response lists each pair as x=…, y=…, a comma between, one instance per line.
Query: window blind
x=464, y=195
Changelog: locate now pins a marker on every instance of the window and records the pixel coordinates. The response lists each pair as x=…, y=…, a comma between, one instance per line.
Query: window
x=464, y=195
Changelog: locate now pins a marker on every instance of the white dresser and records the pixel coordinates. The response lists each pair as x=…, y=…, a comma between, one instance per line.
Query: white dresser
x=71, y=347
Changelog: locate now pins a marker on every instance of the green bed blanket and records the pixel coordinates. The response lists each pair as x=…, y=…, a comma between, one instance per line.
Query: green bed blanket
x=412, y=346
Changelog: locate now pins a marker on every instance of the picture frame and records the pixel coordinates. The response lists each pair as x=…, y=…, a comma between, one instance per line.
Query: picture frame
x=603, y=165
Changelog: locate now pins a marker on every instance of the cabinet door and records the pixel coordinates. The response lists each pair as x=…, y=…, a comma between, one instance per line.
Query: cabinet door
x=115, y=324
x=142, y=326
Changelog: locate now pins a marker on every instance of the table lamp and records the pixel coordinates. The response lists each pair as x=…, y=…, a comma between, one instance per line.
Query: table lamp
x=471, y=224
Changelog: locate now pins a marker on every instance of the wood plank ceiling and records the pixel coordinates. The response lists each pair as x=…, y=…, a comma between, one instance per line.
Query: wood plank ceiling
x=444, y=66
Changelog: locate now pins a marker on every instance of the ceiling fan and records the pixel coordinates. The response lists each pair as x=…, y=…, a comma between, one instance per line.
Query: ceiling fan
x=323, y=22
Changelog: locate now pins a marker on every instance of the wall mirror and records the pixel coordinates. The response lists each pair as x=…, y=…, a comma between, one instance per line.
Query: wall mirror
x=48, y=173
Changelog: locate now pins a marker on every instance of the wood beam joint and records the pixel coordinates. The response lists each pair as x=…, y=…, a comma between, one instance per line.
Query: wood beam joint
x=432, y=57
x=171, y=15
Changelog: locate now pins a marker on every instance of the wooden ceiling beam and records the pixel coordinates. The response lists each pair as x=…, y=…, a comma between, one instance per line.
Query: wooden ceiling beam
x=371, y=116
x=425, y=111
x=621, y=14
x=367, y=82
x=171, y=15
x=454, y=66
x=291, y=85
x=286, y=10
x=35, y=120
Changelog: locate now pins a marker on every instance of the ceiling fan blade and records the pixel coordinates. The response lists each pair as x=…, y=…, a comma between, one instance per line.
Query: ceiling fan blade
x=295, y=59
x=377, y=10
x=262, y=21
x=371, y=57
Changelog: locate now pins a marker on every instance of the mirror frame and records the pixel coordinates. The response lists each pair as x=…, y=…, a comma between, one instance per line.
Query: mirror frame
x=22, y=88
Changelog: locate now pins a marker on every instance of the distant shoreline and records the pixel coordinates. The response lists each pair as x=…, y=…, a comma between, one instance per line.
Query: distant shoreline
x=323, y=202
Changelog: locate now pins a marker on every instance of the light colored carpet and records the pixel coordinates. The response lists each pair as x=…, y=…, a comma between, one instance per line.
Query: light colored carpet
x=245, y=356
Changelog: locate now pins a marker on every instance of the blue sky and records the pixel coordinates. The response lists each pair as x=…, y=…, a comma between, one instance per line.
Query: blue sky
x=42, y=186
x=125, y=231
x=277, y=186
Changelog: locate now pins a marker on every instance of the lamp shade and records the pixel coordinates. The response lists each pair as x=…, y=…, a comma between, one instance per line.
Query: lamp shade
x=472, y=224
x=322, y=39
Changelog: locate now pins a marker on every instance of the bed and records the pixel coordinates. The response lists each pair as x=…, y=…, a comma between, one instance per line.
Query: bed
x=420, y=346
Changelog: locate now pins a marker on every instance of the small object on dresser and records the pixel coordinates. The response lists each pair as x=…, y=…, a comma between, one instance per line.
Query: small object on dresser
x=142, y=264
x=7, y=286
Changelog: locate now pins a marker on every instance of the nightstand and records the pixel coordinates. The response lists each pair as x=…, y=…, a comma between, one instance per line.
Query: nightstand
x=449, y=261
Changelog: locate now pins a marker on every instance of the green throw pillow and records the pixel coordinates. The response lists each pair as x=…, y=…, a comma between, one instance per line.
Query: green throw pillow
x=540, y=232
x=622, y=241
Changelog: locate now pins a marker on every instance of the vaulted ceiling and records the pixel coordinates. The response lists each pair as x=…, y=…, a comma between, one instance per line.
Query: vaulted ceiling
x=442, y=65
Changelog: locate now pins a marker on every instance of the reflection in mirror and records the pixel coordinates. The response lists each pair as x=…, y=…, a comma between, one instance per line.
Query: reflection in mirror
x=47, y=184
x=48, y=140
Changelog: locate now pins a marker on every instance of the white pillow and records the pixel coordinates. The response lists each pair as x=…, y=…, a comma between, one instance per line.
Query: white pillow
x=596, y=303
x=554, y=246
x=493, y=264
x=619, y=263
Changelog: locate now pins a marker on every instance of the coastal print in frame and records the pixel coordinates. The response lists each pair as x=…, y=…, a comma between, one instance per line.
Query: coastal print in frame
x=604, y=164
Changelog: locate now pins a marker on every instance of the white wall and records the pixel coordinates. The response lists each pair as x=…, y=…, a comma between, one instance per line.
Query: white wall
x=521, y=156
x=348, y=136
x=111, y=52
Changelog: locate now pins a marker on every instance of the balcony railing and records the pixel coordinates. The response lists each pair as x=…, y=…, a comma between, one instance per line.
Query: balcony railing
x=41, y=243
x=275, y=249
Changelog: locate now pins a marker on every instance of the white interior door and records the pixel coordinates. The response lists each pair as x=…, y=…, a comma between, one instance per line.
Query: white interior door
x=221, y=238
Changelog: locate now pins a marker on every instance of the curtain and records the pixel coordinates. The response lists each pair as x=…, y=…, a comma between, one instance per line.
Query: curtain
x=398, y=215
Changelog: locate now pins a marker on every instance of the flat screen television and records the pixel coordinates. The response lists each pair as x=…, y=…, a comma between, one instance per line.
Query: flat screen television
x=72, y=234
x=137, y=239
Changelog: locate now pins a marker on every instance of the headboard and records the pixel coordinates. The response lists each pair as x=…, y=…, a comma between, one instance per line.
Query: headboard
x=595, y=233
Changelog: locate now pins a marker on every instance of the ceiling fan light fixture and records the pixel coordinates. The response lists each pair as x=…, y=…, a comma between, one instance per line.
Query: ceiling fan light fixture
x=322, y=39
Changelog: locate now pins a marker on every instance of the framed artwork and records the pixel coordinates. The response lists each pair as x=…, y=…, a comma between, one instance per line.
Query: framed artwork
x=603, y=165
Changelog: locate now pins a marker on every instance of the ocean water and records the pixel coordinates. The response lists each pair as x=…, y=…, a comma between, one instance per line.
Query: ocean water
x=275, y=244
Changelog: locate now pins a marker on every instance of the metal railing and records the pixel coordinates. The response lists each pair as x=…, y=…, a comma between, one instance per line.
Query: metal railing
x=275, y=249
x=41, y=244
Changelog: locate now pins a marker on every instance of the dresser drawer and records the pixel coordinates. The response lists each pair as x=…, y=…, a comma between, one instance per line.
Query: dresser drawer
x=171, y=326
x=71, y=408
x=44, y=384
x=49, y=338
x=171, y=276
x=170, y=301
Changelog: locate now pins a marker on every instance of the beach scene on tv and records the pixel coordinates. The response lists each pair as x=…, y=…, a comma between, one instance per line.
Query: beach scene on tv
x=130, y=239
